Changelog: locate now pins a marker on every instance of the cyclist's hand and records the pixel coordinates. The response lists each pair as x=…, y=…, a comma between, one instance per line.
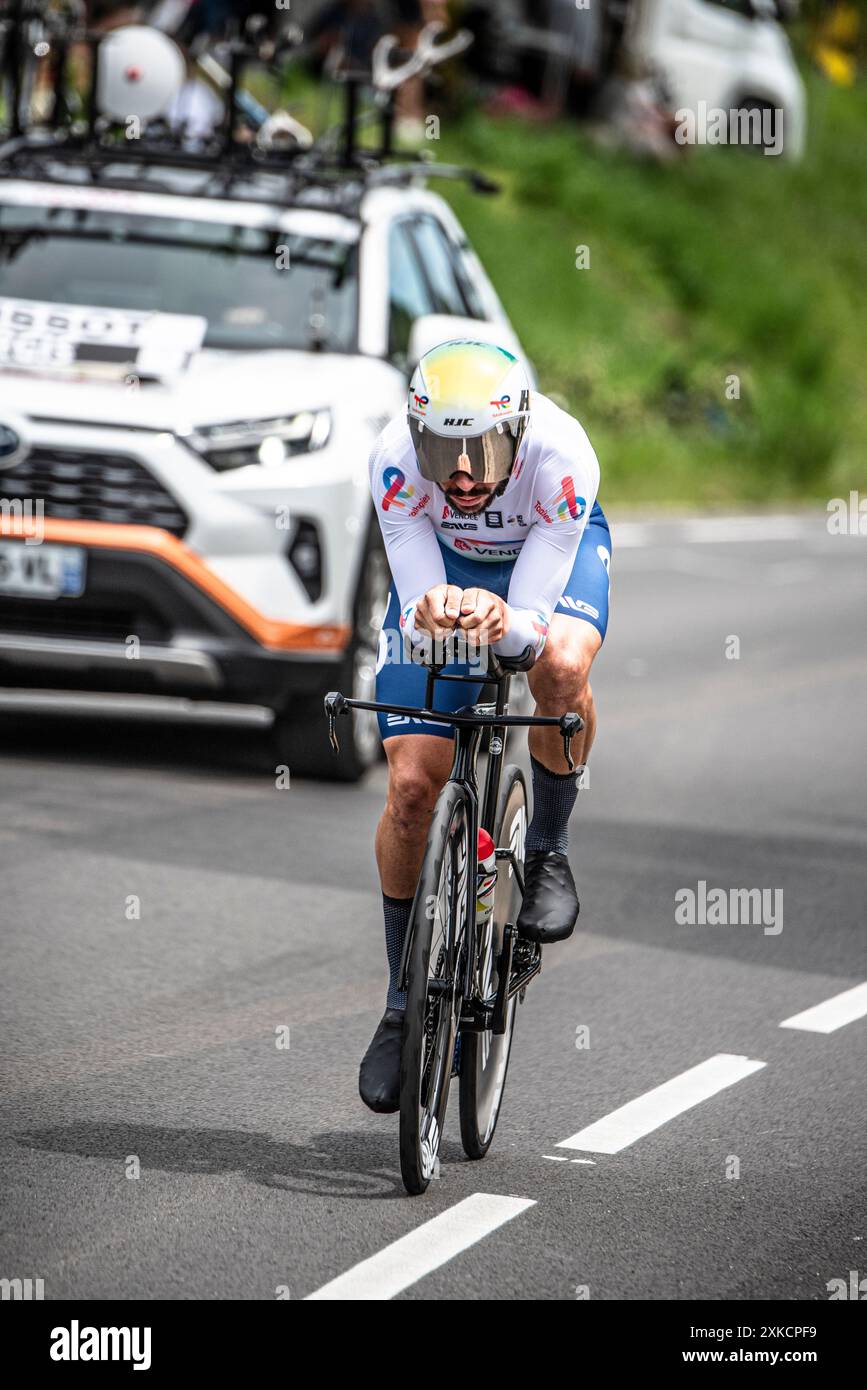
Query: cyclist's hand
x=439, y=610
x=484, y=616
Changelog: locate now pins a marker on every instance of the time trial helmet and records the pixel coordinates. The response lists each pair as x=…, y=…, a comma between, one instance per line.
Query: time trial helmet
x=469, y=406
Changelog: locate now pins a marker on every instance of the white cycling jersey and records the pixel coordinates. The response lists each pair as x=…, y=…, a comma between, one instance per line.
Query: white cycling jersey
x=535, y=521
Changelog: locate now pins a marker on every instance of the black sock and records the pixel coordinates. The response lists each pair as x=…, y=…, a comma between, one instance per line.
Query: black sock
x=554, y=796
x=396, y=912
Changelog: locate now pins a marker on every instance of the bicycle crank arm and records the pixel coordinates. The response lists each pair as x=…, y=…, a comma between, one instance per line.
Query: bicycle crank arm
x=526, y=963
x=504, y=975
x=517, y=868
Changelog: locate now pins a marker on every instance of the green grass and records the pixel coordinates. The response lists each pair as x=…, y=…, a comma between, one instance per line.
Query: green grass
x=725, y=263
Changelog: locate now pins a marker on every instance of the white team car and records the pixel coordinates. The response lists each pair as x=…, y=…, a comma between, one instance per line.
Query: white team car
x=200, y=523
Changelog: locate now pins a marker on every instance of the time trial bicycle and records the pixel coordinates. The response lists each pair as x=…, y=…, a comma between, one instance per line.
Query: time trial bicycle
x=463, y=979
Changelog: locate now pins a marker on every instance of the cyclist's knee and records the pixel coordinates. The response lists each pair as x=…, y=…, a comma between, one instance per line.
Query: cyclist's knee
x=416, y=775
x=561, y=678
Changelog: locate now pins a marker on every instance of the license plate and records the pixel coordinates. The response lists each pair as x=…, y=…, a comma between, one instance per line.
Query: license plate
x=41, y=571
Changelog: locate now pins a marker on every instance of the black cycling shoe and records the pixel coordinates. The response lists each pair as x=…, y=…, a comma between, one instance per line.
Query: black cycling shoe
x=379, y=1077
x=550, y=907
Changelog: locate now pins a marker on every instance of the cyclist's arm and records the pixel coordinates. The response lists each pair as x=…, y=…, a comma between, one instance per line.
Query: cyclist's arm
x=410, y=541
x=543, y=567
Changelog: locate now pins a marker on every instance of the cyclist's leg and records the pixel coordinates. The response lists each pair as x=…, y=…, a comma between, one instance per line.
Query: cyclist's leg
x=418, y=766
x=560, y=680
x=419, y=755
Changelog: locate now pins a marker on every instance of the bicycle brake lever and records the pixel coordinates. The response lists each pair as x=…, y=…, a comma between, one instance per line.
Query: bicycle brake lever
x=570, y=725
x=335, y=704
x=567, y=751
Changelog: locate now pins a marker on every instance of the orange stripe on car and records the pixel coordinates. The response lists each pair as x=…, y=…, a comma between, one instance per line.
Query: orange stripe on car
x=166, y=547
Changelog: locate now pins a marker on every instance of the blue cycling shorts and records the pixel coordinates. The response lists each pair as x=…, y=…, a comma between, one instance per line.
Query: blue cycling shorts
x=400, y=682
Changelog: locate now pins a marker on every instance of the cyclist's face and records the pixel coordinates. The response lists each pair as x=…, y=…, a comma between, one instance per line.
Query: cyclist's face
x=466, y=496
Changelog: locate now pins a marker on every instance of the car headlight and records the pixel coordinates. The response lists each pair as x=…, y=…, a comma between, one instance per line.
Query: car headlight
x=265, y=442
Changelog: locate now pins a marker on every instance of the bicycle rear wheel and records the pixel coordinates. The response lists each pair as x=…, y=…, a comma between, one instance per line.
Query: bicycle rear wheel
x=434, y=988
x=484, y=1055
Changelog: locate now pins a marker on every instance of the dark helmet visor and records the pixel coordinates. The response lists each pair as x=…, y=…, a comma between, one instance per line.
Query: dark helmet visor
x=487, y=458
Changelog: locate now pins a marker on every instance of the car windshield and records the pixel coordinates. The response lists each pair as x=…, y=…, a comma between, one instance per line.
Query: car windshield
x=257, y=287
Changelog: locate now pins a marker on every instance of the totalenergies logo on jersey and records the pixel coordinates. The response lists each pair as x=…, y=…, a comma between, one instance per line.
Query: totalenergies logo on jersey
x=397, y=490
x=567, y=503
x=420, y=504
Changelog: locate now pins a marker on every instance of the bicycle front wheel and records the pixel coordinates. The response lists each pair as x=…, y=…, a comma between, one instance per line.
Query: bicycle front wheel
x=484, y=1055
x=434, y=987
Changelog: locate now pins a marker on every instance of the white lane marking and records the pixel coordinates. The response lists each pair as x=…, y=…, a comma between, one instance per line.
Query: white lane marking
x=713, y=530
x=833, y=1013
x=632, y=534
x=556, y=1158
x=645, y=1114
x=707, y=530
x=425, y=1249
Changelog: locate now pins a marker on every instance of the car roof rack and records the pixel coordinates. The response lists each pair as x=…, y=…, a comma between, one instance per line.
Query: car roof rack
x=331, y=173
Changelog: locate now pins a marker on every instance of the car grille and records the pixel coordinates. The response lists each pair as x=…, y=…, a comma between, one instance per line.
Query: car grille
x=81, y=485
x=82, y=619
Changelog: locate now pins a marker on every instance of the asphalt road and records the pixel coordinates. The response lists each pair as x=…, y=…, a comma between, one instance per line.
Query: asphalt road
x=155, y=1038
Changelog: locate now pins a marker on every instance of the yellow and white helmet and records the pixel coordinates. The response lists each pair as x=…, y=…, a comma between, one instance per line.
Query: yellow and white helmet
x=469, y=404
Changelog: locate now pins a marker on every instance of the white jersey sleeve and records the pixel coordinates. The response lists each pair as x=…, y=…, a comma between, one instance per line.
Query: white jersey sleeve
x=400, y=496
x=566, y=483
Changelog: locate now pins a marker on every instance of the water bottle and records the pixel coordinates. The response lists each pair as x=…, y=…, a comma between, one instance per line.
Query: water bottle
x=486, y=878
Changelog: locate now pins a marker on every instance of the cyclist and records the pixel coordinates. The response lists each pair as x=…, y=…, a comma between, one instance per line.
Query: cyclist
x=486, y=496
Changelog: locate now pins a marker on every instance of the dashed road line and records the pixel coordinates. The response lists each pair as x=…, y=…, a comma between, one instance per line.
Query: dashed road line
x=655, y=1108
x=425, y=1249
x=833, y=1013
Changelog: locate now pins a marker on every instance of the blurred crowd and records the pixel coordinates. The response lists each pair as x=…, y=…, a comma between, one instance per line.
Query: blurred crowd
x=535, y=58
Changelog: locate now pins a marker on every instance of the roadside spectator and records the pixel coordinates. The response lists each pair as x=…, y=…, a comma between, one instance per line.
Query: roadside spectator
x=349, y=29
x=411, y=16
